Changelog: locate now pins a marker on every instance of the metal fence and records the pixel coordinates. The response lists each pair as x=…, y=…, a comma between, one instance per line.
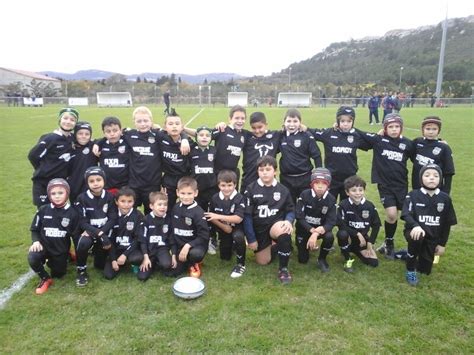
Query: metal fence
x=254, y=101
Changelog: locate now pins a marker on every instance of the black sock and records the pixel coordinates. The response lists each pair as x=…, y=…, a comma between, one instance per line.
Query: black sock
x=284, y=250
x=390, y=229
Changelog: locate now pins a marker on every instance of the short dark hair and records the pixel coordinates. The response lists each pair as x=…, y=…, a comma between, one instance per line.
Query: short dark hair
x=267, y=160
x=157, y=196
x=292, y=112
x=172, y=113
x=111, y=120
x=125, y=191
x=237, y=108
x=258, y=117
x=187, y=181
x=354, y=180
x=227, y=176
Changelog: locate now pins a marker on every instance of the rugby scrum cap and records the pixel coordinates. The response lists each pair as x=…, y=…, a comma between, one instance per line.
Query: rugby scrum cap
x=69, y=110
x=321, y=174
x=345, y=110
x=82, y=125
x=94, y=170
x=58, y=182
x=392, y=118
x=431, y=119
x=203, y=128
x=428, y=167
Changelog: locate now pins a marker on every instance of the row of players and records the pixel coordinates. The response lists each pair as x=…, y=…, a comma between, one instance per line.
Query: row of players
x=144, y=149
x=261, y=219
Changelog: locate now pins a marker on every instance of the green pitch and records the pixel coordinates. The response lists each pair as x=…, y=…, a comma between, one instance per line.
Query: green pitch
x=373, y=310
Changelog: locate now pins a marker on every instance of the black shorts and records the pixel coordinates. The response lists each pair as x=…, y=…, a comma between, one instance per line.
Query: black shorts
x=392, y=197
x=263, y=239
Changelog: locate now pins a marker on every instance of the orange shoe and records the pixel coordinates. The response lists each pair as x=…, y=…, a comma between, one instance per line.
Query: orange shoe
x=195, y=270
x=43, y=286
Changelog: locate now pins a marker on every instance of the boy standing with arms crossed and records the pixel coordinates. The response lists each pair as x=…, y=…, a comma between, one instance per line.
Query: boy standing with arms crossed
x=269, y=216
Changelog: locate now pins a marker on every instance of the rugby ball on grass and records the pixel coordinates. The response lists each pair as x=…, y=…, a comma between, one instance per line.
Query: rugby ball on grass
x=189, y=288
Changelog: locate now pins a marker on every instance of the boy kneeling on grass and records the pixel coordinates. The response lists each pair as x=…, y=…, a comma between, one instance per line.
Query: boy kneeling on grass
x=356, y=216
x=429, y=214
x=53, y=227
x=269, y=217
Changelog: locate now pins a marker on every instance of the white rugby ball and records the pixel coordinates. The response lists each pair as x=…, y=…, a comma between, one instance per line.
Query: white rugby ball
x=189, y=287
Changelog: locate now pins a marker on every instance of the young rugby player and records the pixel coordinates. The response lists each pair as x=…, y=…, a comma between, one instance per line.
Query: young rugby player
x=125, y=235
x=189, y=230
x=52, y=228
x=154, y=239
x=429, y=214
x=389, y=171
x=226, y=213
x=356, y=217
x=82, y=158
x=51, y=155
x=269, y=217
x=430, y=150
x=99, y=216
x=297, y=149
x=315, y=218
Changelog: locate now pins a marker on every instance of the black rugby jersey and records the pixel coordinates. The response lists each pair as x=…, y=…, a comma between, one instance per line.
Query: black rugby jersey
x=255, y=148
x=125, y=233
x=267, y=204
x=174, y=164
x=81, y=159
x=296, y=151
x=340, y=151
x=235, y=205
x=155, y=233
x=312, y=211
x=360, y=218
x=115, y=161
x=389, y=161
x=188, y=225
x=99, y=213
x=54, y=227
x=51, y=155
x=430, y=151
x=202, y=166
x=435, y=214
x=229, y=145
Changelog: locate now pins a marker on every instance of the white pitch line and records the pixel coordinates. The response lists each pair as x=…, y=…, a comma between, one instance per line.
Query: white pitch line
x=6, y=294
x=192, y=118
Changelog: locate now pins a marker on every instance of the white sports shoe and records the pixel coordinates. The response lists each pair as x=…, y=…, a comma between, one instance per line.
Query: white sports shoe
x=237, y=271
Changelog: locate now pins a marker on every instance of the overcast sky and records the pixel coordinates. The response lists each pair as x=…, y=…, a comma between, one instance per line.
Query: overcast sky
x=247, y=37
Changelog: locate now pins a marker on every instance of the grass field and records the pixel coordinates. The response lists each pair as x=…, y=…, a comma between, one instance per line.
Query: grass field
x=370, y=311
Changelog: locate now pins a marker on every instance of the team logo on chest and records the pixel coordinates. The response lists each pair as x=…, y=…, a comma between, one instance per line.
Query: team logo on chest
x=121, y=149
x=86, y=150
x=276, y=196
x=130, y=226
x=297, y=143
x=324, y=210
x=188, y=221
x=350, y=139
x=105, y=208
x=210, y=157
x=436, y=150
x=151, y=140
x=165, y=228
x=65, y=222
x=365, y=214
x=440, y=207
x=402, y=146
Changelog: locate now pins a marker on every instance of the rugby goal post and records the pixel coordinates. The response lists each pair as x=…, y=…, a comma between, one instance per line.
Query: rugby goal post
x=295, y=99
x=237, y=98
x=108, y=99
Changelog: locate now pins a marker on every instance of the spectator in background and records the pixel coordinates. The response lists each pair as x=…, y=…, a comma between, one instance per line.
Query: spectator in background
x=167, y=102
x=373, y=105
